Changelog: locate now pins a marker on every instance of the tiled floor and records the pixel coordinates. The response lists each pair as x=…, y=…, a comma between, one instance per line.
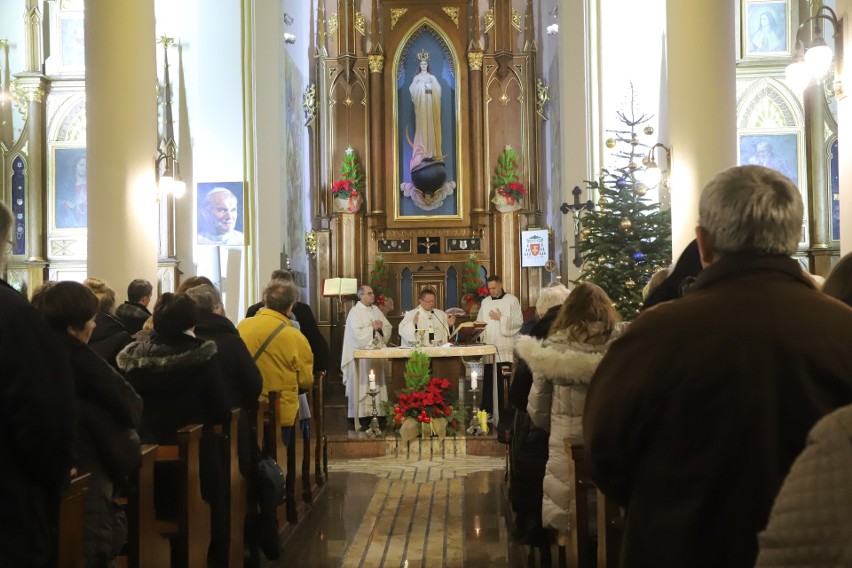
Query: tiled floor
x=392, y=512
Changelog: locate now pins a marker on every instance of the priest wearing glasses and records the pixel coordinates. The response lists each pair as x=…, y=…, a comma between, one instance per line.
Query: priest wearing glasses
x=435, y=325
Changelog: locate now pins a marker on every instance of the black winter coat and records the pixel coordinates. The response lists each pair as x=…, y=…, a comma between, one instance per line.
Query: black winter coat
x=107, y=447
x=109, y=337
x=36, y=430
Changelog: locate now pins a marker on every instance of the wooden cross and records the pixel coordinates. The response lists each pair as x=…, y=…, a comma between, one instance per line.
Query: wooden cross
x=576, y=208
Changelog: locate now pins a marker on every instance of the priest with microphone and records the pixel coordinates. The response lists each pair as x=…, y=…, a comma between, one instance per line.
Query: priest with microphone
x=435, y=323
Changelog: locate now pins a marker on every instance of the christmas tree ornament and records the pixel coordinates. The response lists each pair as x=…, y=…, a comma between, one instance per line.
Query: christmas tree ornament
x=630, y=284
x=610, y=143
x=632, y=166
x=621, y=182
x=587, y=231
x=625, y=224
x=648, y=130
x=638, y=256
x=602, y=202
x=641, y=190
x=634, y=141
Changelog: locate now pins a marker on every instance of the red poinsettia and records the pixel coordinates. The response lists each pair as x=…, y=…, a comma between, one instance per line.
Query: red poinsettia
x=424, y=404
x=513, y=191
x=480, y=294
x=344, y=189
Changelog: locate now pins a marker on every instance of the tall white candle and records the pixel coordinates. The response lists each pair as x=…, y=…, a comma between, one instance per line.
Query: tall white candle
x=473, y=382
x=372, y=378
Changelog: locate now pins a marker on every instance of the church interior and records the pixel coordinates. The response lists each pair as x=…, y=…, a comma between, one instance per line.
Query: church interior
x=406, y=145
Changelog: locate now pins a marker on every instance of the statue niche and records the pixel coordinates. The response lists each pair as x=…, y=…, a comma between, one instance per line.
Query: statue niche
x=426, y=93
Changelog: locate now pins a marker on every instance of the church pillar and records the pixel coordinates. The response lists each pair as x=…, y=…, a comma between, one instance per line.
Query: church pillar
x=376, y=189
x=844, y=132
x=121, y=141
x=702, y=104
x=819, y=217
x=478, y=199
x=33, y=87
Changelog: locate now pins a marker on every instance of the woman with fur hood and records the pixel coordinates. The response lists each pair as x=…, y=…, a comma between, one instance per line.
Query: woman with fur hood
x=181, y=382
x=562, y=366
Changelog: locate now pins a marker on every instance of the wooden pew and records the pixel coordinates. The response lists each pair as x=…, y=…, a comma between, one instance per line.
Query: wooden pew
x=191, y=530
x=69, y=535
x=284, y=455
x=237, y=489
x=145, y=545
x=318, y=430
x=610, y=530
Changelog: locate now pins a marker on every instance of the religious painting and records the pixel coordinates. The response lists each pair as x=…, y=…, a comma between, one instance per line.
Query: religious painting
x=765, y=28
x=293, y=166
x=426, y=133
x=72, y=49
x=68, y=187
x=777, y=151
x=220, y=213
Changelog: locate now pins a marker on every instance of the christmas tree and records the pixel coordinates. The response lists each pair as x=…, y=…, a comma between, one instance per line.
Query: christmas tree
x=351, y=176
x=505, y=180
x=628, y=237
x=380, y=280
x=471, y=280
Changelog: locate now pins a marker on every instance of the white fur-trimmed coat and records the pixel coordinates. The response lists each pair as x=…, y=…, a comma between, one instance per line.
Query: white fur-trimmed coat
x=561, y=372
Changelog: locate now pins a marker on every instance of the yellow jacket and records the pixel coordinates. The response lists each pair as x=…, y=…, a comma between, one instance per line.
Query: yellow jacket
x=287, y=362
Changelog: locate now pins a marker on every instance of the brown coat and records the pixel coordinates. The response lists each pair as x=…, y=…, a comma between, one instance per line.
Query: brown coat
x=696, y=413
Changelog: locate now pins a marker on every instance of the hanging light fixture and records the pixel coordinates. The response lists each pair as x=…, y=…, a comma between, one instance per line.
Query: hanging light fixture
x=812, y=60
x=652, y=175
x=168, y=168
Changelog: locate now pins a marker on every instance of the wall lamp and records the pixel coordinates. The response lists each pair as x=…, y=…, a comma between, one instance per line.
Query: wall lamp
x=167, y=167
x=813, y=60
x=653, y=174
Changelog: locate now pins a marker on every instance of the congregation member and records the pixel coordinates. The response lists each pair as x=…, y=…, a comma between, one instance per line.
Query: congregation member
x=436, y=324
x=242, y=377
x=280, y=351
x=528, y=450
x=502, y=314
x=108, y=413
x=109, y=336
x=679, y=279
x=697, y=411
x=180, y=381
x=562, y=367
x=133, y=313
x=36, y=423
x=303, y=314
x=366, y=325
x=811, y=519
x=839, y=282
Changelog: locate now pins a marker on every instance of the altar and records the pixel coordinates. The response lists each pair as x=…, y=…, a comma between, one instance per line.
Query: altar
x=447, y=362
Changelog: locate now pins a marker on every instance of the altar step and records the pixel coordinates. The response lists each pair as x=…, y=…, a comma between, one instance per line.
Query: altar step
x=357, y=445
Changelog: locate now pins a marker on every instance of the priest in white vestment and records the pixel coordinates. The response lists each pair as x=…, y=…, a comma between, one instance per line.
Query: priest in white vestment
x=502, y=315
x=434, y=322
x=366, y=326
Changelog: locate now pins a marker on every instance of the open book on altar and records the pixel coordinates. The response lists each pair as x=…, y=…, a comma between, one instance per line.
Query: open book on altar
x=466, y=333
x=340, y=286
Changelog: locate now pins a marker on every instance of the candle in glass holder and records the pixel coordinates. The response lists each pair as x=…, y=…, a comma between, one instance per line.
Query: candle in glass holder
x=372, y=378
x=473, y=382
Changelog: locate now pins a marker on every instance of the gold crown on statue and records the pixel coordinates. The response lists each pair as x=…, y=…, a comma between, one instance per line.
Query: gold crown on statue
x=423, y=55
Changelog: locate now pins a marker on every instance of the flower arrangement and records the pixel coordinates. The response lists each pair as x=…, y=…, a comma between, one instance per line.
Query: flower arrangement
x=505, y=181
x=424, y=406
x=472, y=284
x=351, y=183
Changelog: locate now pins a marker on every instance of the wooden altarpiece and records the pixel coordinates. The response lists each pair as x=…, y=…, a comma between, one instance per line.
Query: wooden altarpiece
x=484, y=63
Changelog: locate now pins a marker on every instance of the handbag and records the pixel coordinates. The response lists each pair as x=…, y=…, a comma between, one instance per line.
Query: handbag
x=271, y=484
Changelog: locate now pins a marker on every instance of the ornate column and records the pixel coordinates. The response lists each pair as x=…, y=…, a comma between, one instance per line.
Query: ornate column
x=700, y=57
x=819, y=215
x=32, y=86
x=121, y=140
x=478, y=194
x=376, y=189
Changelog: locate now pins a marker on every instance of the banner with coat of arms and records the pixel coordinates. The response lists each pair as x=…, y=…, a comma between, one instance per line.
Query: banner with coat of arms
x=535, y=247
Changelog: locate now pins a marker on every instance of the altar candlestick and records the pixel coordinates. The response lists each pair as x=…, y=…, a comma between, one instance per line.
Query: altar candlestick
x=372, y=378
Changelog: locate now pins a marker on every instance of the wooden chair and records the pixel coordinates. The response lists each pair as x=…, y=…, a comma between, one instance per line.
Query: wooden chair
x=237, y=487
x=145, y=545
x=69, y=535
x=191, y=530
